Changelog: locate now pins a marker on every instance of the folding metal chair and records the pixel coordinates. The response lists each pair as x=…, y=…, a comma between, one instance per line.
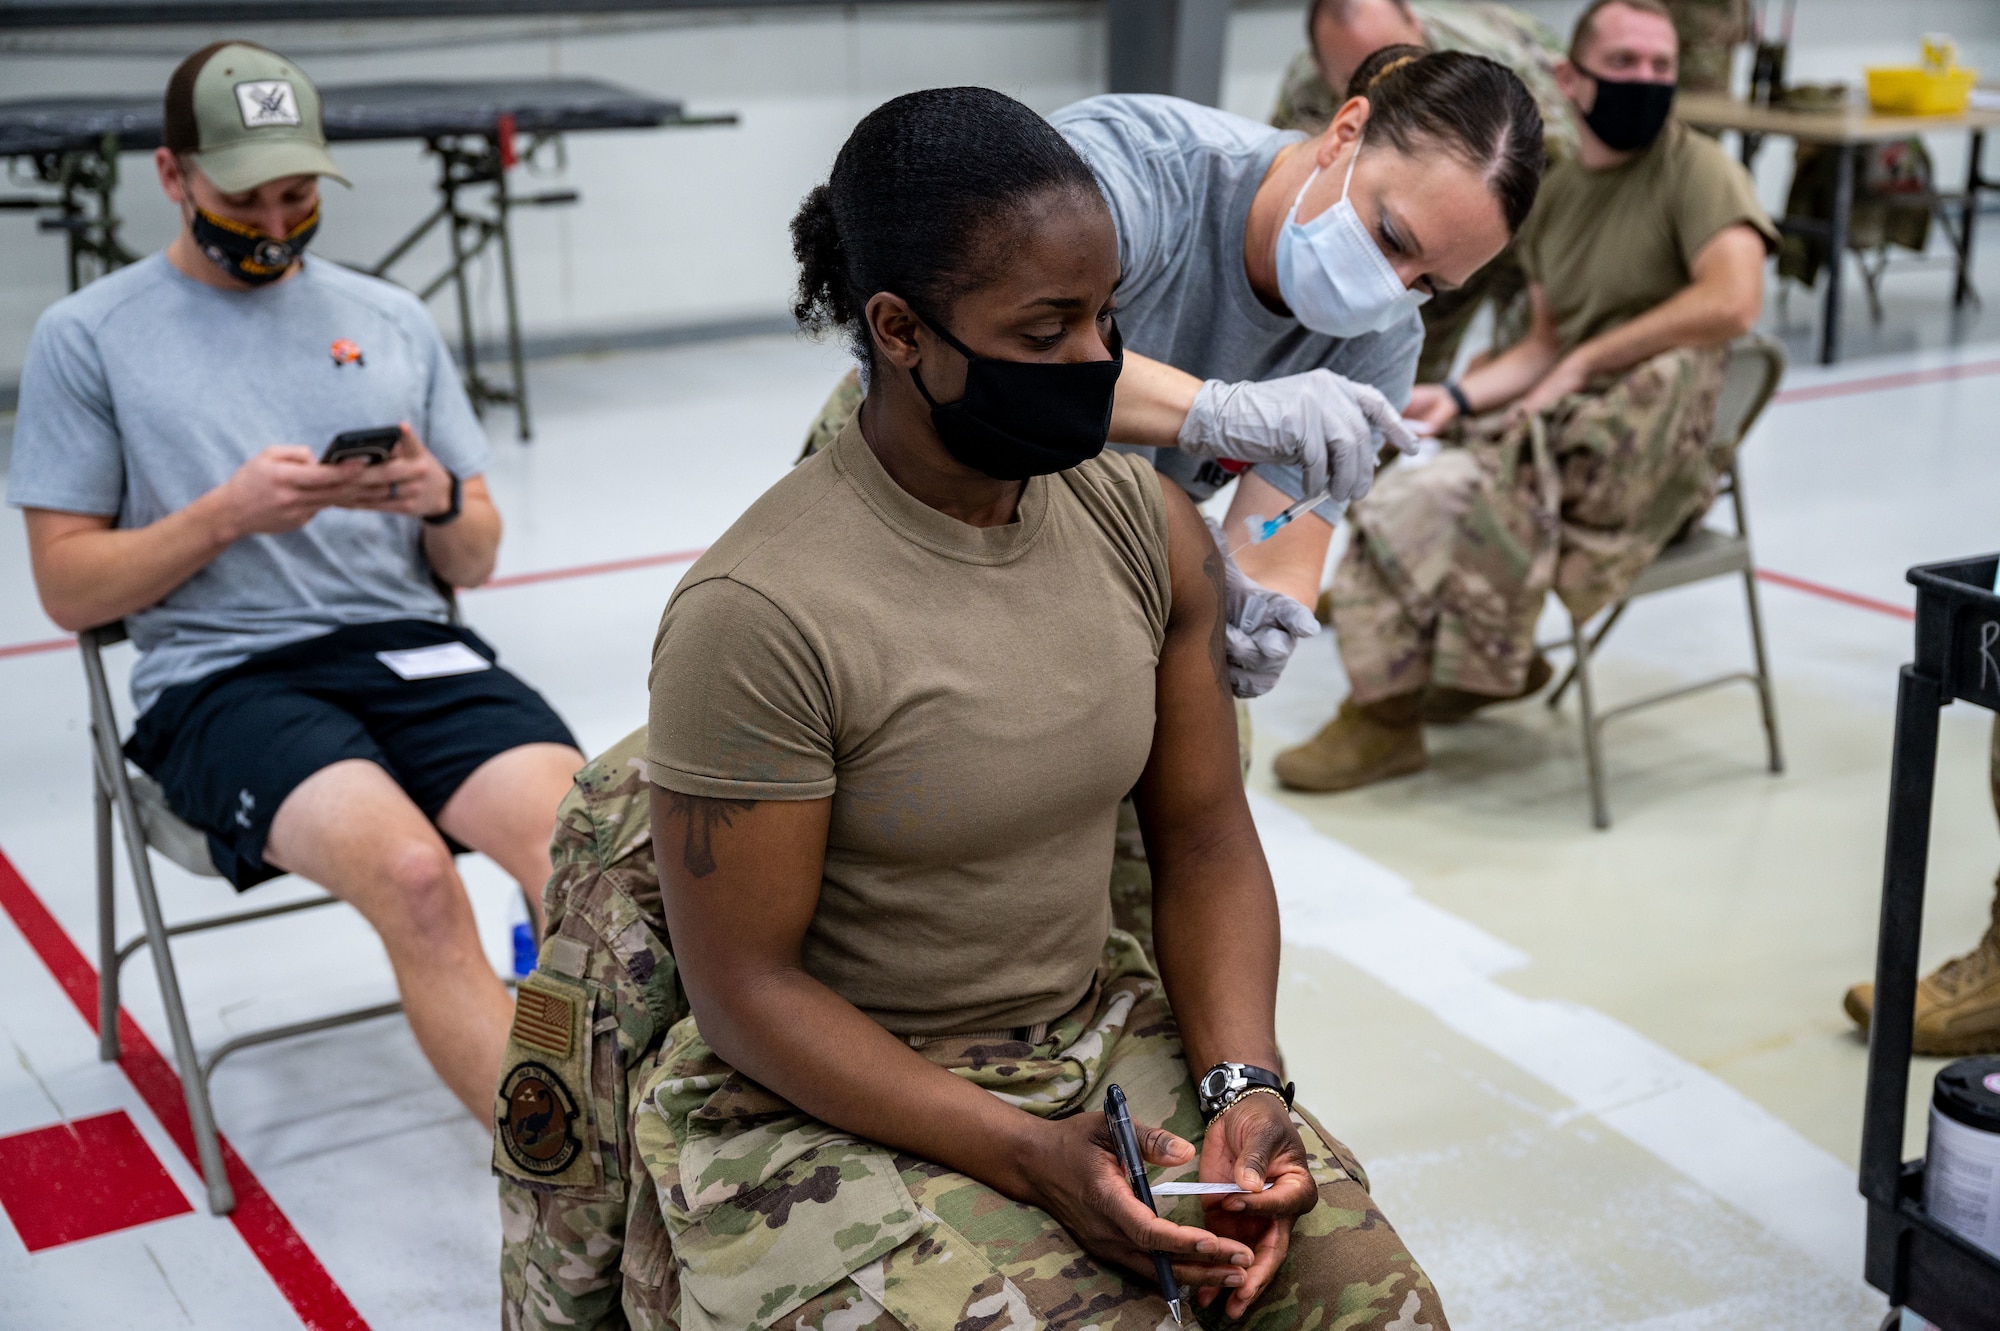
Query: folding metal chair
x=1749, y=377
x=147, y=823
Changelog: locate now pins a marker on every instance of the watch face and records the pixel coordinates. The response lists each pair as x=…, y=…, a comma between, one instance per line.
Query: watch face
x=1215, y=1083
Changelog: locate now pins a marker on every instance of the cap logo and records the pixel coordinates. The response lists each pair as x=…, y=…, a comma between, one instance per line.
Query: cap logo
x=267, y=102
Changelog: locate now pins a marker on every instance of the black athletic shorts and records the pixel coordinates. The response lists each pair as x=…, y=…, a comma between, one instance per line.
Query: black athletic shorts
x=229, y=747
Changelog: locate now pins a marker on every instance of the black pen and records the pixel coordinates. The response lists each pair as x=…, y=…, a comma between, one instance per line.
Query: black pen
x=1127, y=1145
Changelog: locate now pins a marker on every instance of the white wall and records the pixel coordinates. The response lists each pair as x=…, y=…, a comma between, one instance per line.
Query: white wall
x=687, y=227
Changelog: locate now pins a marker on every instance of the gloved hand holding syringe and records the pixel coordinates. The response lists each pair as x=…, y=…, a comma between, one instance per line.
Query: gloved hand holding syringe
x=1261, y=529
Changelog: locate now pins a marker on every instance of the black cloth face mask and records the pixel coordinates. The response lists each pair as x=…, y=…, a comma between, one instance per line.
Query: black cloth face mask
x=246, y=254
x=1026, y=418
x=1628, y=114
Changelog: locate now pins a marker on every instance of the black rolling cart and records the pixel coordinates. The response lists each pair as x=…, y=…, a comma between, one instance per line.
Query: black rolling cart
x=1914, y=1260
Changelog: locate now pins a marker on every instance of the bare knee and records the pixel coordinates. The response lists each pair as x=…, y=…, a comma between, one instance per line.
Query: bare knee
x=424, y=886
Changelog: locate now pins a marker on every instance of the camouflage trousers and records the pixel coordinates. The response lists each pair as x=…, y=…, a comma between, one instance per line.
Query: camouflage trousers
x=1451, y=561
x=782, y=1221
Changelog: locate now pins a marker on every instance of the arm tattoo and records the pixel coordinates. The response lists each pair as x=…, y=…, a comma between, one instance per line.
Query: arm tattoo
x=699, y=818
x=1218, y=641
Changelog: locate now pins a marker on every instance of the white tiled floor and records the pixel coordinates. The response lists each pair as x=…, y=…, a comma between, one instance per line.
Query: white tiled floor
x=1601, y=1079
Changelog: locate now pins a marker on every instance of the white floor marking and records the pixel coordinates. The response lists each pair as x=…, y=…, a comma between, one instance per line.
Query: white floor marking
x=1339, y=901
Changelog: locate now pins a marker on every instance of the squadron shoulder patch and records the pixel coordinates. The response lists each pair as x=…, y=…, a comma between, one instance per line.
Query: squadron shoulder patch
x=538, y=1122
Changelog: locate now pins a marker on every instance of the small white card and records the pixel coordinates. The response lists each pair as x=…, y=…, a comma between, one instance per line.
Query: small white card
x=1195, y=1189
x=447, y=658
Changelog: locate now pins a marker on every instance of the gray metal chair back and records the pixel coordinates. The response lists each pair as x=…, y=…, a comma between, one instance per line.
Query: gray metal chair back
x=144, y=823
x=1750, y=375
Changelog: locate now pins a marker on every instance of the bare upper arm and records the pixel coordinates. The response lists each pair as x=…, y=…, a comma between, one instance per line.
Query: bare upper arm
x=48, y=528
x=1192, y=780
x=739, y=882
x=1730, y=264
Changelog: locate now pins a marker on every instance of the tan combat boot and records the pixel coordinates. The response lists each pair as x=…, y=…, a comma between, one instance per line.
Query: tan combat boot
x=1364, y=743
x=1958, y=1004
x=1447, y=707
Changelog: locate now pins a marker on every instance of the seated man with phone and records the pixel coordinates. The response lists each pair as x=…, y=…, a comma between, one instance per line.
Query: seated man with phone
x=304, y=694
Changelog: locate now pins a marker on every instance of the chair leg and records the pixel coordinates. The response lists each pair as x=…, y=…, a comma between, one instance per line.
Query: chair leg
x=1593, y=758
x=1764, y=698
x=107, y=926
x=194, y=1084
x=1569, y=676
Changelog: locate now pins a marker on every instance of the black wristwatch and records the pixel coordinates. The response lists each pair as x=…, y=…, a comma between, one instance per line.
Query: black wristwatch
x=1226, y=1083
x=450, y=514
x=1459, y=399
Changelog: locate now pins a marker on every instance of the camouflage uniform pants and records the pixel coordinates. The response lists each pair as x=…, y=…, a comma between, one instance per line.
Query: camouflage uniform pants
x=1450, y=562
x=781, y=1221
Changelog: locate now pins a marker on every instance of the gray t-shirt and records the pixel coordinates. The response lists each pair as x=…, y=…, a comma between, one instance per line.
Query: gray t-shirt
x=147, y=389
x=1180, y=177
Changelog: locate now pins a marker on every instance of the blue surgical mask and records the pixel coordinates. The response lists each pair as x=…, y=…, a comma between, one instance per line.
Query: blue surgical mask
x=1333, y=275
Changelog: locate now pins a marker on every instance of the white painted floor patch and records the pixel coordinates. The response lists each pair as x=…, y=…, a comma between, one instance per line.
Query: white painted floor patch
x=1339, y=901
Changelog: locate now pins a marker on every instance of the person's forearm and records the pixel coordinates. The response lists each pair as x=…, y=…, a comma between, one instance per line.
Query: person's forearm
x=1216, y=933
x=1291, y=562
x=787, y=1031
x=1152, y=402
x=1702, y=315
x=463, y=550
x=1509, y=375
x=94, y=575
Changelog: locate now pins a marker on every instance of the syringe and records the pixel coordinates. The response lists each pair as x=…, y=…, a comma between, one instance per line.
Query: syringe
x=1262, y=529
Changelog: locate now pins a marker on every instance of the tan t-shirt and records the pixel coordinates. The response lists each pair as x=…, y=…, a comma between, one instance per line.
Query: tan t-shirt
x=1606, y=246
x=975, y=700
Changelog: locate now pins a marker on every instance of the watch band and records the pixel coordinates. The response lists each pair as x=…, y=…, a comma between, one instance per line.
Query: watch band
x=1241, y=1096
x=1457, y=394
x=457, y=496
x=1226, y=1083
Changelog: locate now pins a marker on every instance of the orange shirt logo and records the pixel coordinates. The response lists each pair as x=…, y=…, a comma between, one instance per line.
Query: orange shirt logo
x=346, y=353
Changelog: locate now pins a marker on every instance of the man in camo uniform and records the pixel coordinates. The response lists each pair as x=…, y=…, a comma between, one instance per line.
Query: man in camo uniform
x=1341, y=35
x=1582, y=450
x=610, y=1096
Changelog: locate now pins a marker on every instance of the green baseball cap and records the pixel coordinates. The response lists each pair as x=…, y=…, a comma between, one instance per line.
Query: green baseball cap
x=246, y=115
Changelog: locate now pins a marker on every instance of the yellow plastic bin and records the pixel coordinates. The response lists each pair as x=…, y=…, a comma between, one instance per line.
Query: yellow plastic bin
x=1913, y=90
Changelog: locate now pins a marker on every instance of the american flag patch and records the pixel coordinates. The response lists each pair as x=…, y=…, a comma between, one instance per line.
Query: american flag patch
x=542, y=1021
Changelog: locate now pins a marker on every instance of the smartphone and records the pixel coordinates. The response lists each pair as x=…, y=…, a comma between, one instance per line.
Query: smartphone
x=374, y=444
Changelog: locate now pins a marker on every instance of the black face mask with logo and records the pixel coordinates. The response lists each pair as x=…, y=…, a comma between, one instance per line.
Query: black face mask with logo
x=245, y=253
x=1628, y=114
x=1026, y=418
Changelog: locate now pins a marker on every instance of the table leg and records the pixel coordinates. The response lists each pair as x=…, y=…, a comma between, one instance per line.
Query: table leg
x=1968, y=221
x=1843, y=203
x=1747, y=145
x=455, y=226
x=502, y=207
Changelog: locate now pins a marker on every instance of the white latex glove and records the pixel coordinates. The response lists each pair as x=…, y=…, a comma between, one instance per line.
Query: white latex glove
x=1322, y=423
x=1263, y=626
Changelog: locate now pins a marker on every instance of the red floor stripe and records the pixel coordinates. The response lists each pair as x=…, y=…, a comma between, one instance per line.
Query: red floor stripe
x=590, y=570
x=1878, y=383
x=291, y=1265
x=689, y=556
x=1834, y=594
x=31, y=648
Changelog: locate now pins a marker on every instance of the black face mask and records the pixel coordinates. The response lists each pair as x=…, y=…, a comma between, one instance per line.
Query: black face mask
x=246, y=254
x=1026, y=418
x=1629, y=115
